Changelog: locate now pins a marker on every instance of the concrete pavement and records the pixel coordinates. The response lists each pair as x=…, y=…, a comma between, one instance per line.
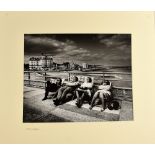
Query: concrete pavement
x=36, y=110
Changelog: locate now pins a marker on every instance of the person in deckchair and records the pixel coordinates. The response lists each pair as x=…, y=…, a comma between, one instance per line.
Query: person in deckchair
x=63, y=91
x=103, y=93
x=52, y=87
x=84, y=92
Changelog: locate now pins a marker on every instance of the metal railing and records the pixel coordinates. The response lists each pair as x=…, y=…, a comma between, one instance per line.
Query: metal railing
x=124, y=93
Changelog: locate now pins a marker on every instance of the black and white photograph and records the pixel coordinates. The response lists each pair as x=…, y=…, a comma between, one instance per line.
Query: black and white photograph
x=77, y=78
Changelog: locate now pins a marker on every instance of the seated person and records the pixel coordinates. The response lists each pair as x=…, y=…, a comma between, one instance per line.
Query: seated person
x=102, y=93
x=85, y=91
x=52, y=87
x=63, y=91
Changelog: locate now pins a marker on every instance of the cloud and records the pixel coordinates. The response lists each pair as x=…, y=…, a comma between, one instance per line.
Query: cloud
x=64, y=49
x=43, y=41
x=78, y=51
x=96, y=48
x=69, y=48
x=34, y=45
x=115, y=41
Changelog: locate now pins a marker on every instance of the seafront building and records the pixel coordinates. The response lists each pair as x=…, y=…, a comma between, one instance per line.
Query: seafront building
x=42, y=63
x=34, y=63
x=85, y=66
x=47, y=63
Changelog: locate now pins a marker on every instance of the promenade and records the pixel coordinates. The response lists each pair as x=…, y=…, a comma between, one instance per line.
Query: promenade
x=36, y=110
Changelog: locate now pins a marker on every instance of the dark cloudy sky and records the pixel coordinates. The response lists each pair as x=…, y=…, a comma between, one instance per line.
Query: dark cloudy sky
x=102, y=49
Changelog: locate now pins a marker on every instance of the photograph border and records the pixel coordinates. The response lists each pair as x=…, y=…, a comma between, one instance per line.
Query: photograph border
x=16, y=24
